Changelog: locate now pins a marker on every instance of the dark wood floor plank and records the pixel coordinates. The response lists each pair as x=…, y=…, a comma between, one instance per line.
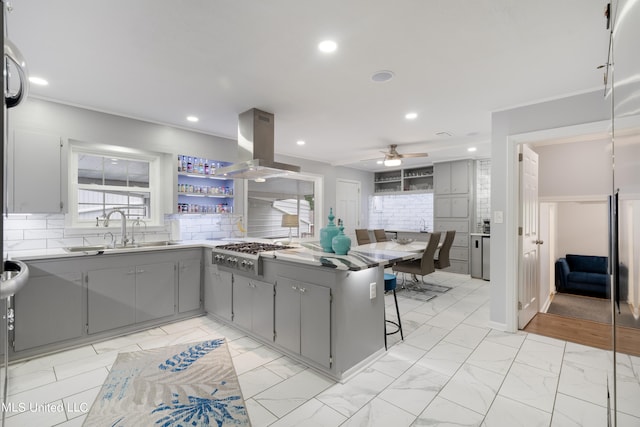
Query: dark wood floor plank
x=585, y=332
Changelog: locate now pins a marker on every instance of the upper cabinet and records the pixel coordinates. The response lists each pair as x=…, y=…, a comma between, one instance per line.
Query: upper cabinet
x=414, y=179
x=198, y=191
x=37, y=173
x=452, y=177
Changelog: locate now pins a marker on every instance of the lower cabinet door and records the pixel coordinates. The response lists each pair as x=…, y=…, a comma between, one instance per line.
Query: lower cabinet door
x=112, y=296
x=218, y=292
x=189, y=285
x=263, y=303
x=155, y=287
x=47, y=310
x=287, y=314
x=315, y=323
x=253, y=305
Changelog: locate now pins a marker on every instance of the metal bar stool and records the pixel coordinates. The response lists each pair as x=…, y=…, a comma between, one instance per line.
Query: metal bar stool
x=390, y=285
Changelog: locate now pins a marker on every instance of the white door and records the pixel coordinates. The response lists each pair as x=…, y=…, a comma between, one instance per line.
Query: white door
x=528, y=271
x=348, y=206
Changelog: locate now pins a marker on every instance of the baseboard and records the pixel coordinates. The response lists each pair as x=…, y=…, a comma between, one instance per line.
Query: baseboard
x=546, y=305
x=498, y=326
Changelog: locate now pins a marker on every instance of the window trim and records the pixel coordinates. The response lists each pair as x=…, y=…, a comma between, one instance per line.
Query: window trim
x=155, y=181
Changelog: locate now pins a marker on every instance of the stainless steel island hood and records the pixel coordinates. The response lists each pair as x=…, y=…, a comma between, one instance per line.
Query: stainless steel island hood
x=256, y=130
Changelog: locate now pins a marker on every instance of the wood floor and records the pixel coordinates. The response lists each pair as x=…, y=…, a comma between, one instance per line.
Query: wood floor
x=585, y=332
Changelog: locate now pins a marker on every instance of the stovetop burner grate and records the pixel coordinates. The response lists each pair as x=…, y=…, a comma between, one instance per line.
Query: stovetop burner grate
x=252, y=247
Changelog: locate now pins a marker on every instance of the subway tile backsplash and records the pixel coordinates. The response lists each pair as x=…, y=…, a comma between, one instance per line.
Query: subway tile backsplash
x=27, y=234
x=483, y=191
x=405, y=212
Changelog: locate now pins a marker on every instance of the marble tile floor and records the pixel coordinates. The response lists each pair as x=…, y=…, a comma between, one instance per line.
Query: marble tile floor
x=451, y=370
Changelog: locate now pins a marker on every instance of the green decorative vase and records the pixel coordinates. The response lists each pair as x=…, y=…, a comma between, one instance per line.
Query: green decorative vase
x=328, y=233
x=341, y=243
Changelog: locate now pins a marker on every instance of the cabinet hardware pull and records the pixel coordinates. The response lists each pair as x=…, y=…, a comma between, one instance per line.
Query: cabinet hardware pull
x=131, y=272
x=140, y=271
x=303, y=290
x=294, y=287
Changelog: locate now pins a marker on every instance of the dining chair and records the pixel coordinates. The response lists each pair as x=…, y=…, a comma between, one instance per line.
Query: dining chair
x=423, y=265
x=380, y=235
x=442, y=260
x=362, y=236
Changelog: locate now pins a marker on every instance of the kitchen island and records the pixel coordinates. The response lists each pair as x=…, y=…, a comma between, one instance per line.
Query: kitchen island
x=322, y=309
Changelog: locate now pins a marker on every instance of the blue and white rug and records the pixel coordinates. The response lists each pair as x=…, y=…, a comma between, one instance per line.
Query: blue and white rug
x=183, y=385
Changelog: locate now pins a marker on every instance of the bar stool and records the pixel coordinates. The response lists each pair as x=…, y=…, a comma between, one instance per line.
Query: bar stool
x=390, y=285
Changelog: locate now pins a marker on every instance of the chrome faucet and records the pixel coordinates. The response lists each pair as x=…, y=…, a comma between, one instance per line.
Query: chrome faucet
x=133, y=229
x=123, y=228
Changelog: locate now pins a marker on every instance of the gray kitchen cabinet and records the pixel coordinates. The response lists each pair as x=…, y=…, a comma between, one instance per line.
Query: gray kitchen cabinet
x=49, y=308
x=303, y=319
x=189, y=276
x=218, y=291
x=36, y=183
x=451, y=177
x=127, y=295
x=253, y=305
x=112, y=296
x=453, y=208
x=155, y=286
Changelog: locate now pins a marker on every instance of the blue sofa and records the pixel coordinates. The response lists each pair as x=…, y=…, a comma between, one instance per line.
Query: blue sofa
x=583, y=275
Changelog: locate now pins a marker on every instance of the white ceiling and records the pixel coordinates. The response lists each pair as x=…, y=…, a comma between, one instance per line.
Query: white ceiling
x=455, y=62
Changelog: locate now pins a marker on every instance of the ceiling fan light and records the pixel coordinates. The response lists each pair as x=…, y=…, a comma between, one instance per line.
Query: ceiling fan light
x=392, y=162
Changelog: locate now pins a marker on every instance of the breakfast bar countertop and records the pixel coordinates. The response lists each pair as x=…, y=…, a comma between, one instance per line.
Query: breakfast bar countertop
x=358, y=258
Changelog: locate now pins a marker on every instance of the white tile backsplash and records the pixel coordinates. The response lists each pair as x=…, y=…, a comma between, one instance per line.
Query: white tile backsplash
x=401, y=211
x=42, y=231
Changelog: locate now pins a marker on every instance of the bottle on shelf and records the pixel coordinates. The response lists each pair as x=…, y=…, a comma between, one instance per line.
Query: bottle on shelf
x=189, y=165
x=206, y=167
x=179, y=163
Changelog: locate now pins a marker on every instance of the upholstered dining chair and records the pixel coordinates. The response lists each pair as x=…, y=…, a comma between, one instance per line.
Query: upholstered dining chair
x=380, y=235
x=423, y=265
x=362, y=236
x=442, y=260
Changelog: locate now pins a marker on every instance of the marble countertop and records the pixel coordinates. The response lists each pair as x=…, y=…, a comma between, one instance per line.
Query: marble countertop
x=358, y=258
x=310, y=253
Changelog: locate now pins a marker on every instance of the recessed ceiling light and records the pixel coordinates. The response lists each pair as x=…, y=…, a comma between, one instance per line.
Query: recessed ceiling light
x=392, y=162
x=327, y=46
x=192, y=118
x=471, y=149
x=379, y=162
x=382, y=76
x=38, y=81
x=259, y=180
x=410, y=116
x=300, y=142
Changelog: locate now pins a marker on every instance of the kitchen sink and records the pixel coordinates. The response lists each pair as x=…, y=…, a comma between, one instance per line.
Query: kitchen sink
x=100, y=248
x=86, y=248
x=153, y=244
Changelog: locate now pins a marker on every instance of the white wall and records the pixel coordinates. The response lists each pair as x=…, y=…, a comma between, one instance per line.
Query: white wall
x=582, y=228
x=510, y=127
x=575, y=170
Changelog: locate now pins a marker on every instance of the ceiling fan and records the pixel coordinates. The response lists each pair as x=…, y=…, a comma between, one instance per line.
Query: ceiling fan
x=393, y=158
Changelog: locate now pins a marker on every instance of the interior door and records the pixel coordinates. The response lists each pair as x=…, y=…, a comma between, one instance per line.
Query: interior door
x=348, y=206
x=528, y=274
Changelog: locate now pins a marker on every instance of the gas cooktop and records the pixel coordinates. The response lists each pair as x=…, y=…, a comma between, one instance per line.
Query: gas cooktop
x=251, y=247
x=244, y=256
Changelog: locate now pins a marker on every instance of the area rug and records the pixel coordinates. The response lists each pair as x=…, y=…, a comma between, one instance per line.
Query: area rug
x=421, y=291
x=589, y=308
x=191, y=384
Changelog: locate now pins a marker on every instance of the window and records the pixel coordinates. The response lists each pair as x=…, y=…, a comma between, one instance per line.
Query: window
x=105, y=179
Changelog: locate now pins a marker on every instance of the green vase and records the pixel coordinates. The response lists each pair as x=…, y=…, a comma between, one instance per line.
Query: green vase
x=328, y=233
x=341, y=243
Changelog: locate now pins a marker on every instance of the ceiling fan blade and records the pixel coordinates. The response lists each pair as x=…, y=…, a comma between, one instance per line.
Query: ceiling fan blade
x=405, y=156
